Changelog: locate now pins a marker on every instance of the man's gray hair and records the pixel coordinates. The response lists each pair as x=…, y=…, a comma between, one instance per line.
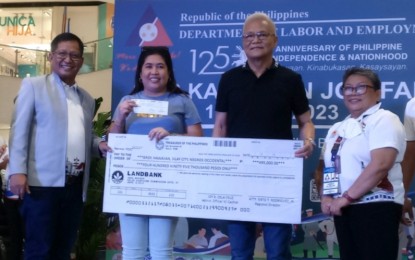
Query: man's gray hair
x=260, y=16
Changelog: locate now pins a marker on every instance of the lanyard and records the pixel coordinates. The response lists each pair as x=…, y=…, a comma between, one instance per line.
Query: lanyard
x=331, y=184
x=335, y=149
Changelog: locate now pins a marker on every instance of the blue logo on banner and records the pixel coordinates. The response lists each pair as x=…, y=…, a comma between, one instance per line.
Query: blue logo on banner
x=149, y=31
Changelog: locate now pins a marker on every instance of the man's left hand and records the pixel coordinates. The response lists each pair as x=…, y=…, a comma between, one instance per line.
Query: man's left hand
x=104, y=148
x=305, y=151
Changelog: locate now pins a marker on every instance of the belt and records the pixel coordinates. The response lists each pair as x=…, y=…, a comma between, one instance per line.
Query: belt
x=74, y=179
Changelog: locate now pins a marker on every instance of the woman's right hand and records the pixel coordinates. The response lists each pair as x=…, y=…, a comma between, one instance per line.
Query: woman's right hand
x=126, y=107
x=337, y=205
x=325, y=204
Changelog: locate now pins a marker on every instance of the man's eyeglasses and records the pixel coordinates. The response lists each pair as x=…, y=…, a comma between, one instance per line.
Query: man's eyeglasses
x=357, y=90
x=251, y=36
x=63, y=54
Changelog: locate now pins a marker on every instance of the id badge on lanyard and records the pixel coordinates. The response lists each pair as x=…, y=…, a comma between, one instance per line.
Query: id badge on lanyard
x=331, y=182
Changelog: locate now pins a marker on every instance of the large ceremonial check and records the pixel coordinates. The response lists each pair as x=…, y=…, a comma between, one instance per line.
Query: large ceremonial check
x=203, y=177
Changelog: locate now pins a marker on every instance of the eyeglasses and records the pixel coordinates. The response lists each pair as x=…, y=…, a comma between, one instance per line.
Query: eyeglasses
x=357, y=90
x=261, y=36
x=72, y=55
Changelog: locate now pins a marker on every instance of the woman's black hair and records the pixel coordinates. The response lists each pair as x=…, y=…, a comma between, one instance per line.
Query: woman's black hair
x=165, y=54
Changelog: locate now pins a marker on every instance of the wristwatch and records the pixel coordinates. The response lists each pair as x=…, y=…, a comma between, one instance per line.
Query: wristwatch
x=311, y=141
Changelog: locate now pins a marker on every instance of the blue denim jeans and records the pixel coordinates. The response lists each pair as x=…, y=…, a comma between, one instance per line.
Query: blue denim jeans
x=277, y=239
x=51, y=217
x=140, y=232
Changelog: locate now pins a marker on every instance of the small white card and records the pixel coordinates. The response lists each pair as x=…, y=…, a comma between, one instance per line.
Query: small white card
x=152, y=107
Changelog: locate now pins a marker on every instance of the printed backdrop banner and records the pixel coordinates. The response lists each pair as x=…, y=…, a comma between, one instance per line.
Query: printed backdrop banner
x=319, y=39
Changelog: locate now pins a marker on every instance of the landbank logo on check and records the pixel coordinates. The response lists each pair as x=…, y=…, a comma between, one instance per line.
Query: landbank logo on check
x=160, y=145
x=117, y=177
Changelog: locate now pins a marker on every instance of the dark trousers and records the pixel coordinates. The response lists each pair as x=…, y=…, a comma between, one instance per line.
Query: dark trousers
x=14, y=250
x=369, y=231
x=277, y=239
x=52, y=217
